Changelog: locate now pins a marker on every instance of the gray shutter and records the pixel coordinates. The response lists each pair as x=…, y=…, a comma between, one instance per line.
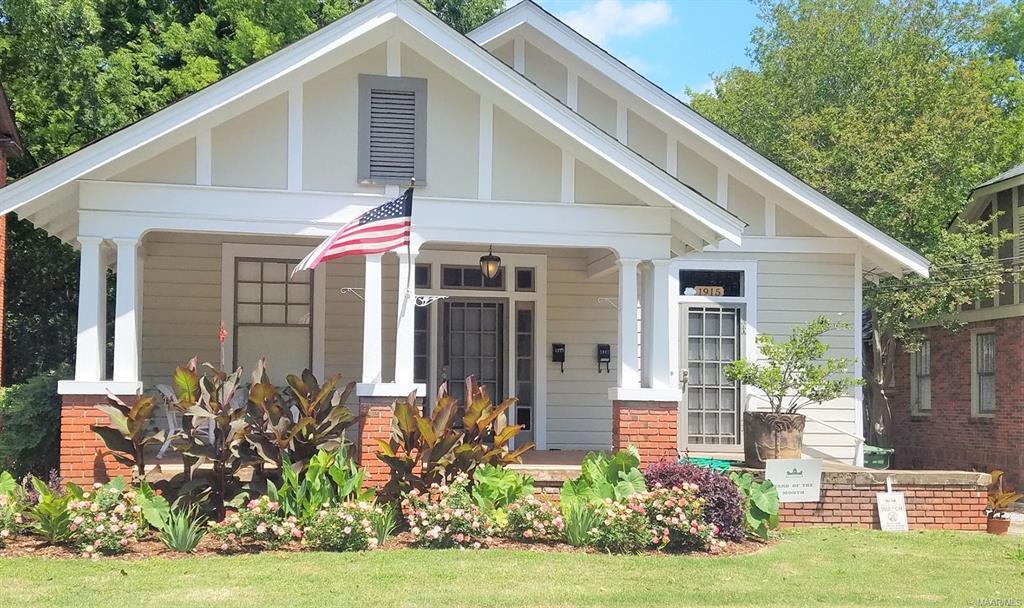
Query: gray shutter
x=392, y=146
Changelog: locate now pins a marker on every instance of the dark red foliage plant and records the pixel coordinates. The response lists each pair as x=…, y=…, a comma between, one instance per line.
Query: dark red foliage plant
x=723, y=503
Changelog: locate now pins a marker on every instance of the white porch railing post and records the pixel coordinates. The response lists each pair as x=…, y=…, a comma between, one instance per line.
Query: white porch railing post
x=126, y=318
x=629, y=368
x=405, y=327
x=661, y=300
x=90, y=350
x=372, y=328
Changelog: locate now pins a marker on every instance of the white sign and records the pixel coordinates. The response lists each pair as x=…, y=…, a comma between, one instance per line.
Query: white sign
x=797, y=480
x=892, y=511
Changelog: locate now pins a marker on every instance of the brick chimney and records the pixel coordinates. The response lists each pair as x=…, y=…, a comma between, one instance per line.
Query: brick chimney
x=10, y=147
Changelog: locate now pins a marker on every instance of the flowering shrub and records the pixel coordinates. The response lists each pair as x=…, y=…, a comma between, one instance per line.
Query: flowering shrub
x=106, y=520
x=348, y=527
x=723, y=502
x=261, y=521
x=533, y=519
x=623, y=526
x=676, y=517
x=445, y=516
x=11, y=519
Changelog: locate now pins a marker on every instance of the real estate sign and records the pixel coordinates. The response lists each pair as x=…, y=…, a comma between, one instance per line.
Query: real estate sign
x=797, y=480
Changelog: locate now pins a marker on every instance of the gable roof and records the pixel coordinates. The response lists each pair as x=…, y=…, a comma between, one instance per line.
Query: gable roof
x=62, y=174
x=10, y=142
x=527, y=12
x=979, y=195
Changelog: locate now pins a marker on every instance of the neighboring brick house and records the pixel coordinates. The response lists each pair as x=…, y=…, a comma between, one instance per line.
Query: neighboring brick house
x=959, y=401
x=10, y=147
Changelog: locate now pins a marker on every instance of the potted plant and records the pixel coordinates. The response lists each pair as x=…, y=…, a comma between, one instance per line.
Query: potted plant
x=999, y=499
x=791, y=375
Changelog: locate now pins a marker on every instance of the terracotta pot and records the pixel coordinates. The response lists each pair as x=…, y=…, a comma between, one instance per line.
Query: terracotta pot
x=767, y=435
x=997, y=525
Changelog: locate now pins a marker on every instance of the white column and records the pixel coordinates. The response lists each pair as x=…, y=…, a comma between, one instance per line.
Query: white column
x=404, y=334
x=372, y=329
x=662, y=300
x=126, y=320
x=629, y=368
x=647, y=336
x=91, y=345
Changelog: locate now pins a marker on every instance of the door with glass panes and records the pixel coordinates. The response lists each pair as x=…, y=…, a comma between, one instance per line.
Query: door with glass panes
x=711, y=337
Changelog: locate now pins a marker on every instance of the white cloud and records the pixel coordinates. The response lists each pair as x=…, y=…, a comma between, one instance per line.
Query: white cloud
x=601, y=20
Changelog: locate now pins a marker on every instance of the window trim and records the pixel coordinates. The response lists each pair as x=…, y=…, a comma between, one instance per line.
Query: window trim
x=975, y=384
x=394, y=83
x=916, y=408
x=231, y=251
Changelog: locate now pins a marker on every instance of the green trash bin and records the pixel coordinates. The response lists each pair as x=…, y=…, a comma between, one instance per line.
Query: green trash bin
x=877, y=458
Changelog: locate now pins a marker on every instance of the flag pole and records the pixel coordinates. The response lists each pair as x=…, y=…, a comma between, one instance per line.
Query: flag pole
x=408, y=246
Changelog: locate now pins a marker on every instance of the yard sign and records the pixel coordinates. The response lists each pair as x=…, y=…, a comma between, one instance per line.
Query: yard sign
x=797, y=480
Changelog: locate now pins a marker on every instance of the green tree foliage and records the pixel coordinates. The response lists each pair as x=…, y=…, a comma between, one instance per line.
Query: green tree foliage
x=895, y=109
x=77, y=70
x=29, y=417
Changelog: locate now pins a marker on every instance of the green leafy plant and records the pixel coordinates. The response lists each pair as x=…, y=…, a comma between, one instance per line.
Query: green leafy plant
x=347, y=527
x=614, y=477
x=183, y=529
x=330, y=479
x=431, y=450
x=131, y=430
x=384, y=521
x=622, y=527
x=795, y=373
x=580, y=522
x=259, y=522
x=999, y=497
x=51, y=515
x=496, y=487
x=29, y=412
x=445, y=516
x=761, y=504
x=531, y=519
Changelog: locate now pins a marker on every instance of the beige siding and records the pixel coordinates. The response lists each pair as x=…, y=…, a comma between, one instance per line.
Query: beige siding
x=696, y=171
x=594, y=187
x=596, y=107
x=251, y=150
x=646, y=139
x=748, y=205
x=174, y=166
x=518, y=152
x=579, y=412
x=546, y=72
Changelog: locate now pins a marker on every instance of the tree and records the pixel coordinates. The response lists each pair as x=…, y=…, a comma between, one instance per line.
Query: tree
x=894, y=110
x=77, y=70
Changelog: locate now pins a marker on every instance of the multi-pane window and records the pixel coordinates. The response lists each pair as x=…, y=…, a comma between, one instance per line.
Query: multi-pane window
x=273, y=314
x=524, y=369
x=985, y=373
x=470, y=277
x=922, y=380
x=713, y=404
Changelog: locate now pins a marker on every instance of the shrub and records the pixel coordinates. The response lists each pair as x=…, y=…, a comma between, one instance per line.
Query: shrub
x=581, y=522
x=260, y=522
x=50, y=515
x=623, y=527
x=106, y=520
x=496, y=487
x=183, y=529
x=11, y=519
x=445, y=516
x=348, y=527
x=676, y=518
x=616, y=477
x=723, y=503
x=29, y=425
x=533, y=519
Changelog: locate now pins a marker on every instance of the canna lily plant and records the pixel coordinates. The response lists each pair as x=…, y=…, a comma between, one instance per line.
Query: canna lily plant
x=424, y=450
x=130, y=431
x=1000, y=498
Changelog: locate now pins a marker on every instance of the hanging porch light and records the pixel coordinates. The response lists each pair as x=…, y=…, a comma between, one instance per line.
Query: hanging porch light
x=490, y=264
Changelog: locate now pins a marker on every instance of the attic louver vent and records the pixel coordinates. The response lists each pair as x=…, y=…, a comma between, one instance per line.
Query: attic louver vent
x=391, y=128
x=392, y=134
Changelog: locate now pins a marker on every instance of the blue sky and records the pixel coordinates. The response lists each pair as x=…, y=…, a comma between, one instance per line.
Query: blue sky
x=675, y=43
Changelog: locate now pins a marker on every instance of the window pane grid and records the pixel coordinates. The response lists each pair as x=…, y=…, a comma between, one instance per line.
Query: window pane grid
x=713, y=404
x=524, y=365
x=986, y=372
x=922, y=376
x=266, y=294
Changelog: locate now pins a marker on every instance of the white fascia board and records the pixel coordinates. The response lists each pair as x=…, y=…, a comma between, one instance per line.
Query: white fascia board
x=571, y=124
x=529, y=13
x=198, y=105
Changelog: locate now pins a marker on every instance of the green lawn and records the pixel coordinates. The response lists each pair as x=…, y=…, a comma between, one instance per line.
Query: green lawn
x=828, y=566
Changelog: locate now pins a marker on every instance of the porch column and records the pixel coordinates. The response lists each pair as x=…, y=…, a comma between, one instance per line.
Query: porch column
x=90, y=349
x=372, y=328
x=629, y=364
x=659, y=321
x=647, y=337
x=404, y=333
x=126, y=317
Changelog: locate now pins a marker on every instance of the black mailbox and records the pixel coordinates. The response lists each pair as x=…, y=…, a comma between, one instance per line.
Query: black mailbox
x=558, y=354
x=604, y=357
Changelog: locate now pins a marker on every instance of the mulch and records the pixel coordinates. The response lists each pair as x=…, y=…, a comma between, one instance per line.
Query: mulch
x=151, y=547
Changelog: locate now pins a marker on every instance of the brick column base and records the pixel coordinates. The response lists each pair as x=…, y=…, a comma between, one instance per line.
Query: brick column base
x=648, y=425
x=81, y=450
x=374, y=425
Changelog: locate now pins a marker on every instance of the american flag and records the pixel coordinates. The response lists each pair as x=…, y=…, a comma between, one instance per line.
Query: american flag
x=380, y=229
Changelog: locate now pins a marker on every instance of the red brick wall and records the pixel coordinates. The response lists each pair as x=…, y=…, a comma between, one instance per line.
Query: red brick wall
x=949, y=437
x=929, y=507
x=81, y=459
x=374, y=425
x=648, y=425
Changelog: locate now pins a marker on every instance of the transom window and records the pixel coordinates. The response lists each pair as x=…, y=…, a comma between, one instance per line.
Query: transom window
x=985, y=373
x=922, y=378
x=470, y=277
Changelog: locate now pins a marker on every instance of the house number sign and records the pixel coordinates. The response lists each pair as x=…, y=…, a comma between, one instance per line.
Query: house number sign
x=712, y=291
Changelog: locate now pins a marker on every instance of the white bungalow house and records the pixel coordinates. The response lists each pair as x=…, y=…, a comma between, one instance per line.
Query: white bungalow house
x=613, y=206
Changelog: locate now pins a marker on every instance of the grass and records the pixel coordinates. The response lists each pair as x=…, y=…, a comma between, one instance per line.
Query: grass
x=824, y=566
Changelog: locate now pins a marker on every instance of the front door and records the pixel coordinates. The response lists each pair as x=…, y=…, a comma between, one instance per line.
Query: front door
x=711, y=339
x=473, y=344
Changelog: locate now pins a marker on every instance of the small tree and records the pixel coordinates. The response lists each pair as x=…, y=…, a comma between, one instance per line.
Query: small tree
x=795, y=373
